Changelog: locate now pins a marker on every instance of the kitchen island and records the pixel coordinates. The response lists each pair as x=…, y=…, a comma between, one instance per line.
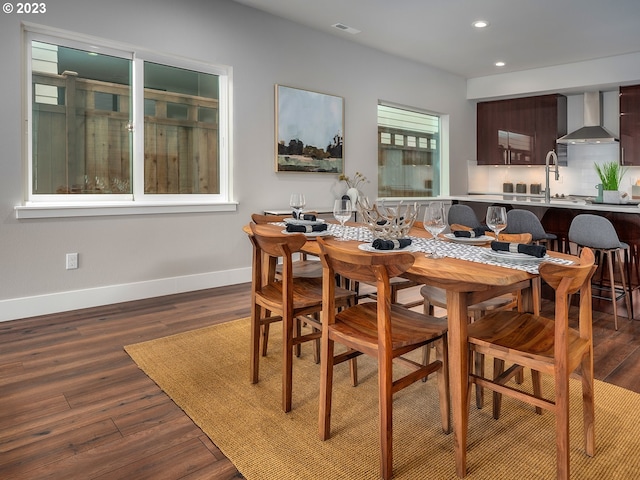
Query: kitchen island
x=537, y=203
x=556, y=217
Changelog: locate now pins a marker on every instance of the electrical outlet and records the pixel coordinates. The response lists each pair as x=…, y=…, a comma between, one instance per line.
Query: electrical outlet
x=72, y=261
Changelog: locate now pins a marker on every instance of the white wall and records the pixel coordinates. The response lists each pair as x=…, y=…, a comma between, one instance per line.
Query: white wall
x=129, y=257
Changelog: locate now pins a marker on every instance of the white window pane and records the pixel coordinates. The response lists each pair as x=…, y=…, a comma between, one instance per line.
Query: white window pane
x=181, y=132
x=410, y=165
x=80, y=113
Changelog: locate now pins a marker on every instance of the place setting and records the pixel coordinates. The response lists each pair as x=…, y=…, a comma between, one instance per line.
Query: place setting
x=307, y=223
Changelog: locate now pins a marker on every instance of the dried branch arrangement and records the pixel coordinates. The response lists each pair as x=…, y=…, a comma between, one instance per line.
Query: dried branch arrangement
x=388, y=223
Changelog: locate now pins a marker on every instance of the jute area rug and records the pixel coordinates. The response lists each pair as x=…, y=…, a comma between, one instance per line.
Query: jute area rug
x=206, y=373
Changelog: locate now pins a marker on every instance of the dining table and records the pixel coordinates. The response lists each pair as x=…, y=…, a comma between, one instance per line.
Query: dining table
x=468, y=274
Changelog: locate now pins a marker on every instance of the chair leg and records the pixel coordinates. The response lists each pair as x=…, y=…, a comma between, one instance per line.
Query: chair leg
x=255, y=342
x=442, y=353
x=353, y=371
x=265, y=338
x=426, y=358
x=588, y=408
x=613, y=290
x=627, y=264
x=287, y=360
x=385, y=399
x=562, y=425
x=498, y=368
x=297, y=332
x=537, y=387
x=326, y=388
x=478, y=359
x=627, y=294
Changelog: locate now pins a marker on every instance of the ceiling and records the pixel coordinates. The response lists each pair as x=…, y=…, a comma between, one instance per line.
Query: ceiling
x=524, y=34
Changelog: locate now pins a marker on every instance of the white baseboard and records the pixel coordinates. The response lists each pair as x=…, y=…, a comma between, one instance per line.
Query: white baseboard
x=15, y=308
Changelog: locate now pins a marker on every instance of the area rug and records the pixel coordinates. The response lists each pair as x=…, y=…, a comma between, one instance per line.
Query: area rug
x=206, y=373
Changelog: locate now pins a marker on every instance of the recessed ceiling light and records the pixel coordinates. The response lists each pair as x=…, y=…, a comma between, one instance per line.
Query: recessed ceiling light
x=500, y=64
x=480, y=24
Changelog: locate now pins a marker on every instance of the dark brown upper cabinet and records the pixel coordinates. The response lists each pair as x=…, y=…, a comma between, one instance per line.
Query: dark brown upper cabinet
x=519, y=131
x=630, y=125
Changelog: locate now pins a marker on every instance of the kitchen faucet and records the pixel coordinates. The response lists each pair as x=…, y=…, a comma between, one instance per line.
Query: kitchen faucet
x=550, y=155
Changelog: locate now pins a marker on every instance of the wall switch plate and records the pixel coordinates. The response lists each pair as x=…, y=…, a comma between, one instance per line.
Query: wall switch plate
x=72, y=261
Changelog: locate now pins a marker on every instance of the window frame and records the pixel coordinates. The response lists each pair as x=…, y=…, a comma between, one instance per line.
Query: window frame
x=53, y=205
x=442, y=149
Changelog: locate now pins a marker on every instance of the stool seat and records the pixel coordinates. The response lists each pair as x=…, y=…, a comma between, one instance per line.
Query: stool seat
x=599, y=234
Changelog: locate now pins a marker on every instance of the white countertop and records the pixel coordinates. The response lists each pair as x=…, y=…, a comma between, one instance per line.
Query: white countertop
x=578, y=204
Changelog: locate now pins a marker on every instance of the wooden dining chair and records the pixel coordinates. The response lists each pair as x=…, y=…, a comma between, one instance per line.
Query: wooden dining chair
x=381, y=330
x=546, y=345
x=283, y=299
x=305, y=266
x=437, y=297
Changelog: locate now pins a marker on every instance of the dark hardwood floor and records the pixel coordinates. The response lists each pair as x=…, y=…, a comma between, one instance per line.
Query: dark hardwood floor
x=73, y=405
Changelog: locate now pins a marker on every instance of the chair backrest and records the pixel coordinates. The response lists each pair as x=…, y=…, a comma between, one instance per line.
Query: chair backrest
x=567, y=280
x=261, y=219
x=373, y=268
x=515, y=237
x=525, y=221
x=268, y=246
x=463, y=215
x=593, y=231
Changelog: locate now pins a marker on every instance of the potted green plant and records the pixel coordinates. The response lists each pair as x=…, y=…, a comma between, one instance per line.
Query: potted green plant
x=610, y=174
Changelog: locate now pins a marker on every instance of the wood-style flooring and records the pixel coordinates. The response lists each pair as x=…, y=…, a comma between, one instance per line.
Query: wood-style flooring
x=73, y=405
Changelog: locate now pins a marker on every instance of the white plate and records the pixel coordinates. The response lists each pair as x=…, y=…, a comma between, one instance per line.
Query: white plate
x=368, y=248
x=324, y=233
x=295, y=221
x=512, y=257
x=470, y=240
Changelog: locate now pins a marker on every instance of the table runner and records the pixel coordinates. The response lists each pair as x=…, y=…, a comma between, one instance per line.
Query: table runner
x=460, y=251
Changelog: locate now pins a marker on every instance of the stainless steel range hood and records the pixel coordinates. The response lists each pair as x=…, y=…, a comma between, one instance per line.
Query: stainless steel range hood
x=593, y=131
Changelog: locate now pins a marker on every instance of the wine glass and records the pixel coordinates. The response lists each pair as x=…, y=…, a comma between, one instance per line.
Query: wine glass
x=297, y=202
x=497, y=219
x=342, y=213
x=435, y=222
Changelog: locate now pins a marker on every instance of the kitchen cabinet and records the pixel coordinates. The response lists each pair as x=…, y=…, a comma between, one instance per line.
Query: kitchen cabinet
x=519, y=131
x=630, y=125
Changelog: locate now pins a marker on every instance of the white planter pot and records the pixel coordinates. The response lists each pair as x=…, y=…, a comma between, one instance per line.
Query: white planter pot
x=353, y=195
x=610, y=196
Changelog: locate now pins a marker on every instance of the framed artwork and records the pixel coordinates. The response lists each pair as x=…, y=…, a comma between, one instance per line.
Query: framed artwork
x=309, y=131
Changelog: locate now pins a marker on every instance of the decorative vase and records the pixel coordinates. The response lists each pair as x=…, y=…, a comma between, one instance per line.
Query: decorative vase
x=353, y=194
x=610, y=196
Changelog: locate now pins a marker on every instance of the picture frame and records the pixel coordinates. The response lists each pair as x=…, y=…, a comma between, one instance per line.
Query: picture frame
x=309, y=131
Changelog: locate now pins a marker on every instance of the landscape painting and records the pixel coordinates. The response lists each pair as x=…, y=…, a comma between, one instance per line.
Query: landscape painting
x=309, y=131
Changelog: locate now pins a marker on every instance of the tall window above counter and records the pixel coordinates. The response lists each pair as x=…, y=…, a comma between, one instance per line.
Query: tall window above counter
x=521, y=131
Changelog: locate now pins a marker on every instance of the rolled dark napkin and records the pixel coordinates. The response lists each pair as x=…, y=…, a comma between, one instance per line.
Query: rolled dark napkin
x=304, y=216
x=474, y=233
x=534, y=250
x=306, y=228
x=380, y=244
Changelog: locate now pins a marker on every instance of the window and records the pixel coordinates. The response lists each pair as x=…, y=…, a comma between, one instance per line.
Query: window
x=114, y=124
x=408, y=153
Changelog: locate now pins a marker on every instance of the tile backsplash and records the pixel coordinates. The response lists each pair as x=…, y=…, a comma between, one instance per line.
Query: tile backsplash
x=577, y=178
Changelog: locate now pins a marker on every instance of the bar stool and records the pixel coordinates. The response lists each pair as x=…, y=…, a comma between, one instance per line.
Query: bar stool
x=599, y=234
x=525, y=221
x=463, y=215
